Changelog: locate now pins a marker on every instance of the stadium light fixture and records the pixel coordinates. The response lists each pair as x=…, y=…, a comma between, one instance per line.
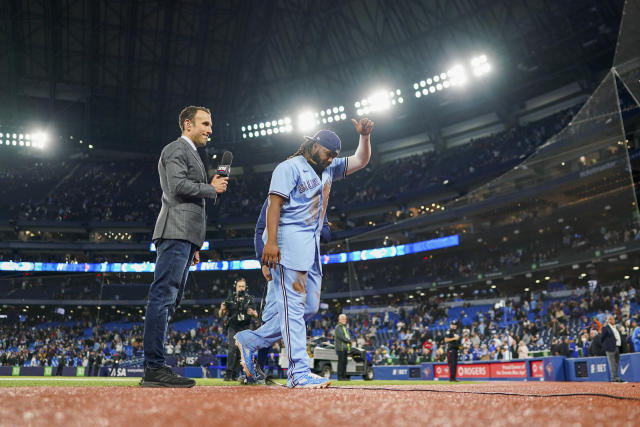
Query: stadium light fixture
x=480, y=65
x=457, y=75
x=267, y=127
x=40, y=139
x=380, y=100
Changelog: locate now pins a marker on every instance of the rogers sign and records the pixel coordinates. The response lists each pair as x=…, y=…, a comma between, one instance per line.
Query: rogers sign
x=463, y=371
x=473, y=371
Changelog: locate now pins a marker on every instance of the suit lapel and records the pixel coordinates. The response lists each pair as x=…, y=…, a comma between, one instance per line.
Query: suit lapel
x=197, y=158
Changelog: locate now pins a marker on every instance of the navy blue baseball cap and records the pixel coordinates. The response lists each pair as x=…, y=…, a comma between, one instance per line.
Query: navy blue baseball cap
x=327, y=139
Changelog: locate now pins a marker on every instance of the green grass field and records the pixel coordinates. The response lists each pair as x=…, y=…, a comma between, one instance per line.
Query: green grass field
x=213, y=382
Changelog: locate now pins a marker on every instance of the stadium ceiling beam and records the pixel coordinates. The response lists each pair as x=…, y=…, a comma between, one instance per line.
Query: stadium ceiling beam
x=10, y=36
x=54, y=53
x=201, y=30
x=234, y=71
x=427, y=30
x=92, y=46
x=127, y=64
x=166, y=44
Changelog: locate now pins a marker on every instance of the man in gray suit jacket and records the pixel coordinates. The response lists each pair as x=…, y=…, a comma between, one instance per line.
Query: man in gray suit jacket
x=178, y=235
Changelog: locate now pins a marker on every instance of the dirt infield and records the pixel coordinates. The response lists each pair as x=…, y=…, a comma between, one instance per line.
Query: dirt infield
x=455, y=405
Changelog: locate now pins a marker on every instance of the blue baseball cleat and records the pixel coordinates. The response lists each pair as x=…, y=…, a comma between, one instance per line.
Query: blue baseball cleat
x=246, y=360
x=310, y=381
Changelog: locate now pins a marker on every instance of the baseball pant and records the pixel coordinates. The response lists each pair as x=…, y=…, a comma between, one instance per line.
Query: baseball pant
x=270, y=332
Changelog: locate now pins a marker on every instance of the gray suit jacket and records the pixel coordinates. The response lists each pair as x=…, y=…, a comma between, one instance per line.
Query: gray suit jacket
x=183, y=179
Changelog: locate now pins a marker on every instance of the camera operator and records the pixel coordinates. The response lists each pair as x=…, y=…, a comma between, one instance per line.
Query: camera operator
x=239, y=309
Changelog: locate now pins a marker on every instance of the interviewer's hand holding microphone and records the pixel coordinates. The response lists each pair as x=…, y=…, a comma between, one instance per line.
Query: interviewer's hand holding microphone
x=219, y=182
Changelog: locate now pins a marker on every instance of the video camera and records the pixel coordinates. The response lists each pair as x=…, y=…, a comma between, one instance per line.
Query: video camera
x=237, y=305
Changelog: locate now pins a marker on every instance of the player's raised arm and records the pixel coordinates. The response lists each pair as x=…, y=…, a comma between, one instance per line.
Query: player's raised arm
x=271, y=251
x=361, y=157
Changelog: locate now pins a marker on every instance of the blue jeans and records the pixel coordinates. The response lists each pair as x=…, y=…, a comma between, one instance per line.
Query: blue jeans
x=172, y=268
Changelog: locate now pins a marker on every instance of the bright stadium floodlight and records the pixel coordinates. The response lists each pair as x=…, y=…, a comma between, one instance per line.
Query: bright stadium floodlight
x=457, y=75
x=40, y=139
x=480, y=65
x=379, y=101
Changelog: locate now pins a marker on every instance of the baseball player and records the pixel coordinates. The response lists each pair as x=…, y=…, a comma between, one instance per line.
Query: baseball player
x=298, y=197
x=314, y=283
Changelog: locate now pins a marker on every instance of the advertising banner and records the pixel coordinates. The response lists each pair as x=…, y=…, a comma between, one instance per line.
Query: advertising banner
x=476, y=370
x=537, y=369
x=509, y=370
x=470, y=371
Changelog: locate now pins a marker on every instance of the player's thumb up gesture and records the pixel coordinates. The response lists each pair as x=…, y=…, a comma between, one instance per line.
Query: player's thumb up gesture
x=271, y=254
x=364, y=126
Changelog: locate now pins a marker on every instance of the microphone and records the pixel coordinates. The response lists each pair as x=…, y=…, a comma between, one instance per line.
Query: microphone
x=224, y=169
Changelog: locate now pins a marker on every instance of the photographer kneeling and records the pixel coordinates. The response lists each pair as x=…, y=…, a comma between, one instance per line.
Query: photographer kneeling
x=238, y=309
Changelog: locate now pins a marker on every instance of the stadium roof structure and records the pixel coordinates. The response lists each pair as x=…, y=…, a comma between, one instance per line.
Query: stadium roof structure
x=112, y=71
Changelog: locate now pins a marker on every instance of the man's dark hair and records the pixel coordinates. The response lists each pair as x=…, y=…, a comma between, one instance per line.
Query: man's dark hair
x=304, y=150
x=189, y=113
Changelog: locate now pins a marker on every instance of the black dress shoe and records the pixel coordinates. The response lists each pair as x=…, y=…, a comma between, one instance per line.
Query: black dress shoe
x=165, y=377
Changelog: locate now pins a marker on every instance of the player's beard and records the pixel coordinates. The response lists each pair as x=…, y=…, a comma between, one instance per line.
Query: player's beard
x=316, y=159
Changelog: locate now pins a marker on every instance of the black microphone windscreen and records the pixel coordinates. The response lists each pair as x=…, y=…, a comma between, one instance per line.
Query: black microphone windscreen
x=227, y=158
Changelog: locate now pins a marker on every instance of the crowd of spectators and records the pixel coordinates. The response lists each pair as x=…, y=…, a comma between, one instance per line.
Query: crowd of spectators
x=567, y=326
x=404, y=332
x=108, y=191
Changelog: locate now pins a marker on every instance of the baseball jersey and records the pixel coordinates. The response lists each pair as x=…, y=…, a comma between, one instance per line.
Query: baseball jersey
x=261, y=225
x=302, y=214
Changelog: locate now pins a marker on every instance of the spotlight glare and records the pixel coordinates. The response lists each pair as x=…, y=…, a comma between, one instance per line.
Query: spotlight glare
x=40, y=139
x=341, y=109
x=418, y=94
x=416, y=85
x=457, y=75
x=306, y=121
x=423, y=83
x=480, y=65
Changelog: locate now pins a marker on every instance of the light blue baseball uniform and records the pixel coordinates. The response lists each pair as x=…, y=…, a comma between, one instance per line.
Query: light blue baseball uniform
x=301, y=219
x=270, y=333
